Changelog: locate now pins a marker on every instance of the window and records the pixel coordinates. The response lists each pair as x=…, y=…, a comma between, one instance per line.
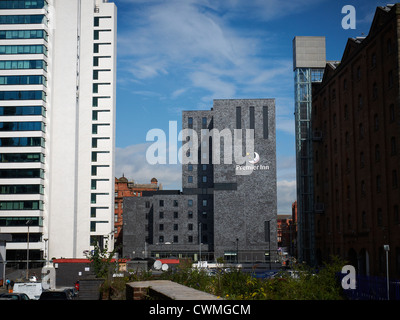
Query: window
x=161, y=227
x=176, y=239
x=161, y=215
x=378, y=183
x=190, y=239
x=176, y=215
x=23, y=19
x=362, y=160
x=190, y=214
x=393, y=148
x=21, y=173
x=22, y=142
x=374, y=91
x=360, y=102
x=373, y=60
x=396, y=214
x=204, y=167
x=190, y=226
x=21, y=189
x=363, y=190
x=361, y=131
x=359, y=73
x=364, y=219
x=377, y=153
x=147, y=204
x=22, y=95
x=23, y=49
x=389, y=46
x=346, y=112
x=21, y=205
x=252, y=118
x=23, y=64
x=20, y=221
x=204, y=178
x=265, y=122
x=380, y=217
x=23, y=4
x=161, y=239
x=376, y=122
x=204, y=123
x=190, y=203
x=390, y=79
x=394, y=178
x=175, y=203
x=238, y=118
x=23, y=34
x=392, y=115
x=175, y=227
x=190, y=179
x=21, y=157
x=190, y=123
x=22, y=111
x=21, y=126
x=204, y=203
x=161, y=203
x=190, y=167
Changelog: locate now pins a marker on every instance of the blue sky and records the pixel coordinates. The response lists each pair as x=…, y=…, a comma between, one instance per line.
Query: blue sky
x=176, y=55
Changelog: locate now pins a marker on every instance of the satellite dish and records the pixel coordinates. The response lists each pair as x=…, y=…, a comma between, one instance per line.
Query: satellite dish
x=157, y=265
x=164, y=267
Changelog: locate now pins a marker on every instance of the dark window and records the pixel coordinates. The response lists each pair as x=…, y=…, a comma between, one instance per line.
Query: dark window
x=238, y=118
x=252, y=118
x=175, y=215
x=380, y=217
x=204, y=123
x=190, y=123
x=265, y=122
x=161, y=203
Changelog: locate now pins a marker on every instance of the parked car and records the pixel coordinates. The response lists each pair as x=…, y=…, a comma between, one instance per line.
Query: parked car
x=55, y=295
x=14, y=296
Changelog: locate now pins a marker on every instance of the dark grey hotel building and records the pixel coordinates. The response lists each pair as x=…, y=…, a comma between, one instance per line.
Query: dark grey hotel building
x=228, y=204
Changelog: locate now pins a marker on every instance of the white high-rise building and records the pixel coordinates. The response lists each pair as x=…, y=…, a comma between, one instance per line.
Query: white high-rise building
x=57, y=127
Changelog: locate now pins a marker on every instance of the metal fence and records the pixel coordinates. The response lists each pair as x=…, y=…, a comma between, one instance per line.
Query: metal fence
x=373, y=288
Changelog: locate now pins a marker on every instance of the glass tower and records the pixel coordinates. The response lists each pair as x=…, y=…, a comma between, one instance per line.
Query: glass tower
x=23, y=91
x=308, y=64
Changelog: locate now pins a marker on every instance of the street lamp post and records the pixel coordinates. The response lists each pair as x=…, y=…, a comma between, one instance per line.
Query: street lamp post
x=237, y=250
x=386, y=248
x=28, y=223
x=199, y=244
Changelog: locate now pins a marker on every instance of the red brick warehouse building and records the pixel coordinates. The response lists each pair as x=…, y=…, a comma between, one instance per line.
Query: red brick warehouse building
x=356, y=162
x=125, y=188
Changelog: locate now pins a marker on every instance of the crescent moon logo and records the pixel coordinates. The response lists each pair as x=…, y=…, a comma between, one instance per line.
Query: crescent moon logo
x=256, y=158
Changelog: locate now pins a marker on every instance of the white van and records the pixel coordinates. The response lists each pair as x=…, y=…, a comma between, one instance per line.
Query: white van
x=32, y=289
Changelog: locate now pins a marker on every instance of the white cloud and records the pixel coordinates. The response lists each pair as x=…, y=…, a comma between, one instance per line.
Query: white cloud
x=286, y=195
x=131, y=162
